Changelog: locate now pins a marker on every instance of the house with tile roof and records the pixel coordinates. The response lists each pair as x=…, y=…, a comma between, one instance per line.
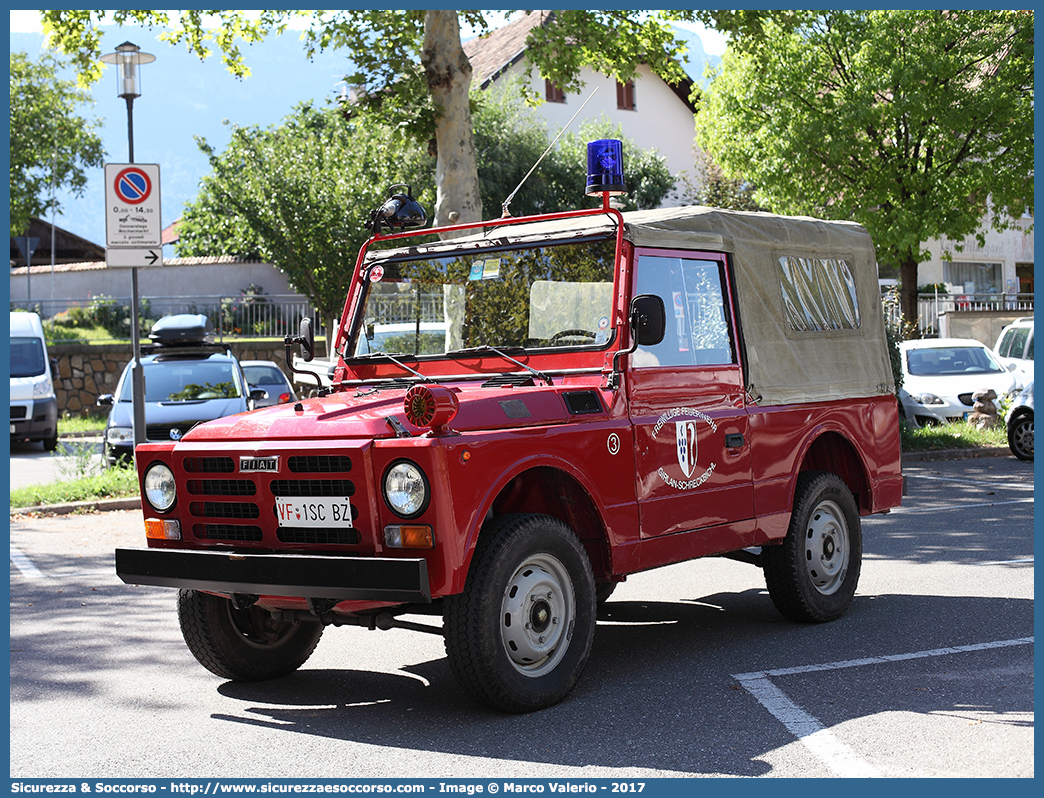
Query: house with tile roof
x=650, y=112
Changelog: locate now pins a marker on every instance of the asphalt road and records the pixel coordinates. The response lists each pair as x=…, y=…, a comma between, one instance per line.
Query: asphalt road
x=693, y=673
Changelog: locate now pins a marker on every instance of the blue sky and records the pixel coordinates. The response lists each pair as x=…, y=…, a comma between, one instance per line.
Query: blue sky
x=183, y=97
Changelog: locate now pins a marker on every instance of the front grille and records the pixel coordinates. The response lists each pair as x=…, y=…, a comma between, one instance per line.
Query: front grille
x=226, y=532
x=224, y=510
x=221, y=487
x=318, y=536
x=210, y=465
x=223, y=505
x=319, y=464
x=17, y=412
x=312, y=487
x=161, y=432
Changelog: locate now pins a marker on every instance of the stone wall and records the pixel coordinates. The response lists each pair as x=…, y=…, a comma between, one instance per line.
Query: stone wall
x=86, y=370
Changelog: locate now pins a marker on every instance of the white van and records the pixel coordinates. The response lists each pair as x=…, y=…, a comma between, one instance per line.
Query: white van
x=34, y=408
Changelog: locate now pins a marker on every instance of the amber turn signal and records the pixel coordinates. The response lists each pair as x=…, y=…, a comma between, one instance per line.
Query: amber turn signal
x=162, y=529
x=409, y=536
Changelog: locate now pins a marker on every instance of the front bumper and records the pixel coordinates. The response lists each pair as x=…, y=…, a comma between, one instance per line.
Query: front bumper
x=291, y=575
x=35, y=419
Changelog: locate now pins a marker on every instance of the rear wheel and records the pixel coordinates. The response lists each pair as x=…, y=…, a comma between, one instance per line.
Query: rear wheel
x=812, y=576
x=1020, y=437
x=243, y=645
x=519, y=635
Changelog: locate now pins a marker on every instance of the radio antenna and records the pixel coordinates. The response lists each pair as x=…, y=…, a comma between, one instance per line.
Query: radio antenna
x=505, y=213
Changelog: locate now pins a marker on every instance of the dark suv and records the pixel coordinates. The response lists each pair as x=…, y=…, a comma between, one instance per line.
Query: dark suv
x=188, y=379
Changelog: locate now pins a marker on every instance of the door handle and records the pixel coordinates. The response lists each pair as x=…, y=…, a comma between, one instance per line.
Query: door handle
x=733, y=440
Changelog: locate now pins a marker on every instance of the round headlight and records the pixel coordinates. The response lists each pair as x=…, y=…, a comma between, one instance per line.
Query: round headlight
x=159, y=487
x=406, y=489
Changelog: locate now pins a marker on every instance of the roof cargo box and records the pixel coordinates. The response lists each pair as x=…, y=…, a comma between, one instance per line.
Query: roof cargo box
x=184, y=328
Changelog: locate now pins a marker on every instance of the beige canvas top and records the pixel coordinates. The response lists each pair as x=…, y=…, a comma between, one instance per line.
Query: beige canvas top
x=792, y=355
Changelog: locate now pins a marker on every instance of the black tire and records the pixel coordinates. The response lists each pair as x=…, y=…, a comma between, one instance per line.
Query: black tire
x=519, y=635
x=243, y=645
x=812, y=576
x=603, y=590
x=1020, y=436
x=50, y=444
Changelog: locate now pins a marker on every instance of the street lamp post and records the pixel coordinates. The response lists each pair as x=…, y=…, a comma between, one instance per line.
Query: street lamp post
x=127, y=58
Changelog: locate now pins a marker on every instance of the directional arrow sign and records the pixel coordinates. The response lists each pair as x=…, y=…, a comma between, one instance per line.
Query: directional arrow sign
x=127, y=258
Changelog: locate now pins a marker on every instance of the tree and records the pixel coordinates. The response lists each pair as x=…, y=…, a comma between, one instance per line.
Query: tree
x=296, y=195
x=410, y=64
x=51, y=145
x=510, y=138
x=917, y=124
x=710, y=186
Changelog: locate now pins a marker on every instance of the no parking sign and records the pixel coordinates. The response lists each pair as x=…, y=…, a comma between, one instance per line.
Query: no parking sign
x=132, y=205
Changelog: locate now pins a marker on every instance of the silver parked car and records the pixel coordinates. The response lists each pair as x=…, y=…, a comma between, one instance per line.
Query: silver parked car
x=267, y=376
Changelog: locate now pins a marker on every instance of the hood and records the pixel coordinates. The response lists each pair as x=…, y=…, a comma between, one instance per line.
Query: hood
x=122, y=413
x=955, y=384
x=364, y=413
x=22, y=388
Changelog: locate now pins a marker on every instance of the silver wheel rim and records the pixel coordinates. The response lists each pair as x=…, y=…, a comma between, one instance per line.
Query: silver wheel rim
x=826, y=548
x=1022, y=436
x=537, y=615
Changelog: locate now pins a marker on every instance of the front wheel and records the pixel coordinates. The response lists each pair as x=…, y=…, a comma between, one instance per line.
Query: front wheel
x=812, y=576
x=243, y=645
x=519, y=635
x=1020, y=437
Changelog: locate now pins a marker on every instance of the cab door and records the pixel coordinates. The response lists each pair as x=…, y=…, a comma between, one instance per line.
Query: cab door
x=686, y=400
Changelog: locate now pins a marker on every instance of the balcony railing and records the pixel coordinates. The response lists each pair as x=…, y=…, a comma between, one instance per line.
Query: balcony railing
x=931, y=306
x=100, y=319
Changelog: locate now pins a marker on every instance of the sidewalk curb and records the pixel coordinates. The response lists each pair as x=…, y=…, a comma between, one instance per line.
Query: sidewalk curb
x=956, y=454
x=98, y=505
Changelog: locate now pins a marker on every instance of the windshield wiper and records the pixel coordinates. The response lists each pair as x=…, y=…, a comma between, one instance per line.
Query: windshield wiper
x=394, y=359
x=487, y=348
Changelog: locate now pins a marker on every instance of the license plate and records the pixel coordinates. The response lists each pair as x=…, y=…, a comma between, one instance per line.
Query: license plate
x=328, y=511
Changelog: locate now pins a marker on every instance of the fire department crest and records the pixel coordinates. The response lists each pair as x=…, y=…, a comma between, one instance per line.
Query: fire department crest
x=688, y=422
x=685, y=434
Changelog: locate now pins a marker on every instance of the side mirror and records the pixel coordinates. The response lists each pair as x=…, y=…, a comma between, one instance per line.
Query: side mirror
x=648, y=319
x=305, y=337
x=54, y=369
x=257, y=394
x=105, y=400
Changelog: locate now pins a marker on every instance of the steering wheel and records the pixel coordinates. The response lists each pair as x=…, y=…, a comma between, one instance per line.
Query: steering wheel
x=558, y=336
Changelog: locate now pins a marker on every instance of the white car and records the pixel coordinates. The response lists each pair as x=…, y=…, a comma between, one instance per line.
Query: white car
x=940, y=375
x=1020, y=424
x=1014, y=350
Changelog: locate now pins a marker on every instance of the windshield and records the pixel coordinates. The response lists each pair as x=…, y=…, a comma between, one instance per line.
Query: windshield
x=951, y=360
x=263, y=375
x=537, y=297
x=186, y=381
x=27, y=357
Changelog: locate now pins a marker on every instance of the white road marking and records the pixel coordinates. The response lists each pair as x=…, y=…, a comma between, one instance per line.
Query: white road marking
x=841, y=759
x=25, y=565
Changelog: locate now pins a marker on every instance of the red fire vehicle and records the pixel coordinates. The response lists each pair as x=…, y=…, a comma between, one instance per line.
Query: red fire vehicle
x=520, y=417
